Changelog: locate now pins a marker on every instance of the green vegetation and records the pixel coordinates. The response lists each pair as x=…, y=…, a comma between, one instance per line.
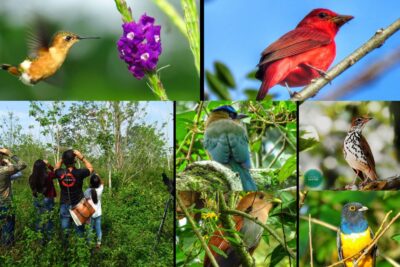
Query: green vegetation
x=128, y=153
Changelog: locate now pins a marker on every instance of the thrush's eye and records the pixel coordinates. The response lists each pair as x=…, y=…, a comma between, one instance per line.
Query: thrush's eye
x=261, y=196
x=322, y=15
x=68, y=38
x=352, y=208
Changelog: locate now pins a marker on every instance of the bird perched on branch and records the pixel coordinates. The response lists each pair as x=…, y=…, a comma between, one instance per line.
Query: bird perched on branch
x=302, y=54
x=357, y=152
x=226, y=141
x=47, y=54
x=354, y=235
x=257, y=205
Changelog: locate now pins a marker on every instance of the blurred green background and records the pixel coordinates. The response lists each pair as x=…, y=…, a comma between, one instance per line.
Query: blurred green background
x=327, y=208
x=323, y=127
x=93, y=70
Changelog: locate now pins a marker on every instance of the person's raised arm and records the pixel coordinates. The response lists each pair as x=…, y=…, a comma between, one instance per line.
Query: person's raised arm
x=17, y=164
x=88, y=165
x=48, y=165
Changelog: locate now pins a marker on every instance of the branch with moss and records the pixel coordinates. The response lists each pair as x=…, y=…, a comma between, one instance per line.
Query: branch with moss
x=228, y=224
x=208, y=175
x=375, y=42
x=197, y=232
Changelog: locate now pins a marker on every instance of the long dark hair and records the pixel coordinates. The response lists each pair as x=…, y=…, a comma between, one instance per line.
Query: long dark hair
x=37, y=180
x=95, y=182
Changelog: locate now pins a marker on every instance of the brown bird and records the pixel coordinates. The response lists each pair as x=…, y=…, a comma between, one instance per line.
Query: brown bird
x=256, y=204
x=357, y=152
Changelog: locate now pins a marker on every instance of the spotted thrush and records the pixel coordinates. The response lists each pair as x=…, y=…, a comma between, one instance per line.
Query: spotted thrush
x=357, y=152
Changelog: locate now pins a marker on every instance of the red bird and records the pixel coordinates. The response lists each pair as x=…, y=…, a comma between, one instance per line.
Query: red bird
x=256, y=204
x=302, y=54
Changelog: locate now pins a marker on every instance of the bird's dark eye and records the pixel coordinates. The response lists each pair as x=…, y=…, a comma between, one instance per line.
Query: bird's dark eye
x=68, y=38
x=261, y=196
x=358, y=120
x=352, y=208
x=322, y=15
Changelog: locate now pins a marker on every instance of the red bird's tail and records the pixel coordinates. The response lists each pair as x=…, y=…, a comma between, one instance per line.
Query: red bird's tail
x=263, y=91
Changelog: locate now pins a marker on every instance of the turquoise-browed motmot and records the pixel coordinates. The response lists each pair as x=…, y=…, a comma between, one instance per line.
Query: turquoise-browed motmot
x=226, y=141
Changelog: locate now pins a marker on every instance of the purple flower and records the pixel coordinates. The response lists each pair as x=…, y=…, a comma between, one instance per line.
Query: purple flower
x=140, y=45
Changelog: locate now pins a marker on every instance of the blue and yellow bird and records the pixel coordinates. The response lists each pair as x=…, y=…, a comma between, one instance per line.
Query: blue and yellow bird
x=226, y=141
x=354, y=235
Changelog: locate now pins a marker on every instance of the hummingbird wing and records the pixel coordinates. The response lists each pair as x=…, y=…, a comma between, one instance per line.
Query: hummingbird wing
x=39, y=38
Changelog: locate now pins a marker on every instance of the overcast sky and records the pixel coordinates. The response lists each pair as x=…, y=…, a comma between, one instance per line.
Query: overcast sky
x=158, y=111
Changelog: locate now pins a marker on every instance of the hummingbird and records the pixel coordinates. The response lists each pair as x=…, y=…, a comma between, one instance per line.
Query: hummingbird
x=46, y=57
x=357, y=152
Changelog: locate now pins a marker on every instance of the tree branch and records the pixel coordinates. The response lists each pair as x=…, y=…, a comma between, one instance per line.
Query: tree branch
x=238, y=245
x=376, y=41
x=370, y=74
x=265, y=226
x=197, y=232
x=390, y=183
x=208, y=175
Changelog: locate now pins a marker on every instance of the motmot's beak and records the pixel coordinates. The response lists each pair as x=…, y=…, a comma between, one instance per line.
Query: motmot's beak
x=363, y=208
x=241, y=116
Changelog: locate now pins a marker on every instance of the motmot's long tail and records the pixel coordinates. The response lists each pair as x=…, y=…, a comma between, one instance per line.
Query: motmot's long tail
x=11, y=69
x=245, y=176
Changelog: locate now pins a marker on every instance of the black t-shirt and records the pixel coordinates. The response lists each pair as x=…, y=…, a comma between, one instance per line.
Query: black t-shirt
x=72, y=182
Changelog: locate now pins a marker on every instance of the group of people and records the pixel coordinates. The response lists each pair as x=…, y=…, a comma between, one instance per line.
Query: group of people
x=41, y=183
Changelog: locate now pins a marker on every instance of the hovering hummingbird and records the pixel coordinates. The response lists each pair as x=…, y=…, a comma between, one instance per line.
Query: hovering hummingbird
x=46, y=57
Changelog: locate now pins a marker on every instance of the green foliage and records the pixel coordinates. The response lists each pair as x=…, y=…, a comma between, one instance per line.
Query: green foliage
x=271, y=127
x=221, y=82
x=128, y=153
x=269, y=253
x=327, y=207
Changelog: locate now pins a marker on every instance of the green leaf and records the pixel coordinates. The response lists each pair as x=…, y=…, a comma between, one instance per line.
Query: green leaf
x=305, y=144
x=256, y=146
x=251, y=93
x=219, y=251
x=287, y=169
x=224, y=74
x=217, y=86
x=396, y=238
x=277, y=255
x=252, y=75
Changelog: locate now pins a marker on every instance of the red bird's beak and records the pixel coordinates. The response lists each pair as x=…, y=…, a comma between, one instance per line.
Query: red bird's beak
x=339, y=20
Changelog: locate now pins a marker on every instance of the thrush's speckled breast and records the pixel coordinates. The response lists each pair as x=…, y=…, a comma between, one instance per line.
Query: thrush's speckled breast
x=357, y=152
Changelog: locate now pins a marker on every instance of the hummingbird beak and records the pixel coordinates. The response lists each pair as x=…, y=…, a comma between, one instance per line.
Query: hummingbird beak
x=83, y=38
x=363, y=208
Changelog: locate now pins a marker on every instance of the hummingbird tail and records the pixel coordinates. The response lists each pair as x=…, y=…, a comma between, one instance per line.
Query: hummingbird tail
x=11, y=69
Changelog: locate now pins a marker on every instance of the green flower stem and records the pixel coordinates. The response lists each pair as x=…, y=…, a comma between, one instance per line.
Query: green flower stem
x=124, y=10
x=156, y=85
x=193, y=32
x=171, y=12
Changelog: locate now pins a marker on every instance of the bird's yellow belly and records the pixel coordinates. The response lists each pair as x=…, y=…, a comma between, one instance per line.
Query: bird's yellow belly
x=352, y=244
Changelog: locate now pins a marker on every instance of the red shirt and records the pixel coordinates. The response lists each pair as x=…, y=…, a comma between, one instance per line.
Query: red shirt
x=51, y=190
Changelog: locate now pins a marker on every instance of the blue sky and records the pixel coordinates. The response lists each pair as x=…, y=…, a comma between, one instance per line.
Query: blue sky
x=236, y=32
x=158, y=111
